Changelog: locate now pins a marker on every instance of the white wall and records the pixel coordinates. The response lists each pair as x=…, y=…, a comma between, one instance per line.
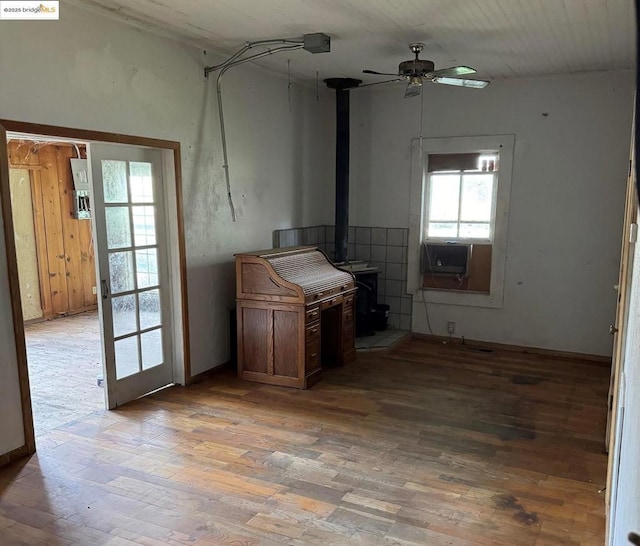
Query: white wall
x=90, y=71
x=567, y=196
x=627, y=503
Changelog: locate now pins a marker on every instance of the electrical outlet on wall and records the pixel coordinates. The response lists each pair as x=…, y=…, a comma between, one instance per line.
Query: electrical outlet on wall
x=94, y=290
x=451, y=327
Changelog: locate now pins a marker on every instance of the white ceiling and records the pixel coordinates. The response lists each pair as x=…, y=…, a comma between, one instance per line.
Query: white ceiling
x=500, y=38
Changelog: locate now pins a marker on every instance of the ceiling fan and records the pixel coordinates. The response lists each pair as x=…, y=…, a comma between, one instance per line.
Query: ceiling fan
x=415, y=71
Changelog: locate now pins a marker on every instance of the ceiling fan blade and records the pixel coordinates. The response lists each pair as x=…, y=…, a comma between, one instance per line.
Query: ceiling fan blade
x=452, y=71
x=413, y=89
x=459, y=82
x=378, y=73
x=378, y=83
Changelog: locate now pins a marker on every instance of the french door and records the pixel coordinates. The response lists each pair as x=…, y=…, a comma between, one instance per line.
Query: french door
x=132, y=249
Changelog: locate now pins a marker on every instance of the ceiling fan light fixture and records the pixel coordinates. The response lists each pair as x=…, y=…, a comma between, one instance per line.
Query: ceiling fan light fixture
x=414, y=87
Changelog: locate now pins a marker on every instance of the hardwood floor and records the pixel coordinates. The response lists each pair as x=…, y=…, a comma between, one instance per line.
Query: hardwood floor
x=427, y=445
x=65, y=359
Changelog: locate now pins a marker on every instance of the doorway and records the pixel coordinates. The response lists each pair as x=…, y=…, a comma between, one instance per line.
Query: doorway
x=155, y=318
x=58, y=289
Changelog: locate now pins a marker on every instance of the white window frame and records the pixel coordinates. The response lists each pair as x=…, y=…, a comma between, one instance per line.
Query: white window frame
x=462, y=240
x=417, y=219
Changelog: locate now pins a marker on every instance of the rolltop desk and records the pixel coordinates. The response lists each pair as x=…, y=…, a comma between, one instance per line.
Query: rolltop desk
x=295, y=314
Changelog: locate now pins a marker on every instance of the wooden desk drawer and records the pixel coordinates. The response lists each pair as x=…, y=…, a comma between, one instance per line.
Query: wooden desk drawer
x=348, y=300
x=347, y=315
x=330, y=303
x=312, y=356
x=331, y=292
x=312, y=333
x=312, y=314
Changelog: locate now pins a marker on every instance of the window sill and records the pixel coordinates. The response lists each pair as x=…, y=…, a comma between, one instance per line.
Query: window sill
x=444, y=240
x=454, y=290
x=458, y=297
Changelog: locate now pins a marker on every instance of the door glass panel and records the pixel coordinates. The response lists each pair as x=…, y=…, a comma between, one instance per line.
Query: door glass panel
x=141, y=182
x=127, y=359
x=114, y=181
x=152, y=354
x=147, y=267
x=118, y=229
x=149, y=309
x=121, y=271
x=144, y=225
x=124, y=315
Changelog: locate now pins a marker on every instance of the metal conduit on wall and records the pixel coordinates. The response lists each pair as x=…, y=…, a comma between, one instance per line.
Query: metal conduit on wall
x=314, y=43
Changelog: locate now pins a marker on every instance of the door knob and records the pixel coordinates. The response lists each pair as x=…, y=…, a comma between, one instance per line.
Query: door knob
x=634, y=539
x=612, y=329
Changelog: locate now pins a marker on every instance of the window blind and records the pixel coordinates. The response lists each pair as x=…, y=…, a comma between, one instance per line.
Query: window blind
x=463, y=162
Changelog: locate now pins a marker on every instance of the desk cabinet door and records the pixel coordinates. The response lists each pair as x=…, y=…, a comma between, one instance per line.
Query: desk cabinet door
x=286, y=347
x=255, y=339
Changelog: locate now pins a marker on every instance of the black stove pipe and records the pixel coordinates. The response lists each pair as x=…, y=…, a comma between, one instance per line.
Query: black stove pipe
x=342, y=86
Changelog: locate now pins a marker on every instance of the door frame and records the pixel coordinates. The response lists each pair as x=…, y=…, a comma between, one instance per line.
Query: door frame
x=29, y=446
x=174, y=201
x=617, y=384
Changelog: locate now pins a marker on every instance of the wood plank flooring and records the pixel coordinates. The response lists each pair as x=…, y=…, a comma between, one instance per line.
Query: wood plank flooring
x=426, y=445
x=65, y=359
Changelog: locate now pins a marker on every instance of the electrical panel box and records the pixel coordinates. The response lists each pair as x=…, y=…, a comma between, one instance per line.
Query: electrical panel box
x=81, y=202
x=317, y=43
x=445, y=259
x=79, y=171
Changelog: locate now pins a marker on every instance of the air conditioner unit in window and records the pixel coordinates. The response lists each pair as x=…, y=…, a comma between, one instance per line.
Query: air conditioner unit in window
x=445, y=259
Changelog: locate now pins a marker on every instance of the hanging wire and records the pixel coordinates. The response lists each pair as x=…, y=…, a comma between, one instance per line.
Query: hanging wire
x=421, y=124
x=289, y=82
x=421, y=171
x=235, y=60
x=317, y=86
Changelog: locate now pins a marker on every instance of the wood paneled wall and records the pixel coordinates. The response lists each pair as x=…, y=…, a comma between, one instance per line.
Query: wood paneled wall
x=64, y=245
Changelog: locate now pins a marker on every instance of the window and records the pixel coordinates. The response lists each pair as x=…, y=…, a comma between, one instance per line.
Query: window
x=460, y=192
x=460, y=204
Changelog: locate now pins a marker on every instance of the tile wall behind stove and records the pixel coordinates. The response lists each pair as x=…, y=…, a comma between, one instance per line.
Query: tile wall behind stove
x=384, y=248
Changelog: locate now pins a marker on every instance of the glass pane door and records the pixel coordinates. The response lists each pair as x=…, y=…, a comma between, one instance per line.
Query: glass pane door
x=129, y=217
